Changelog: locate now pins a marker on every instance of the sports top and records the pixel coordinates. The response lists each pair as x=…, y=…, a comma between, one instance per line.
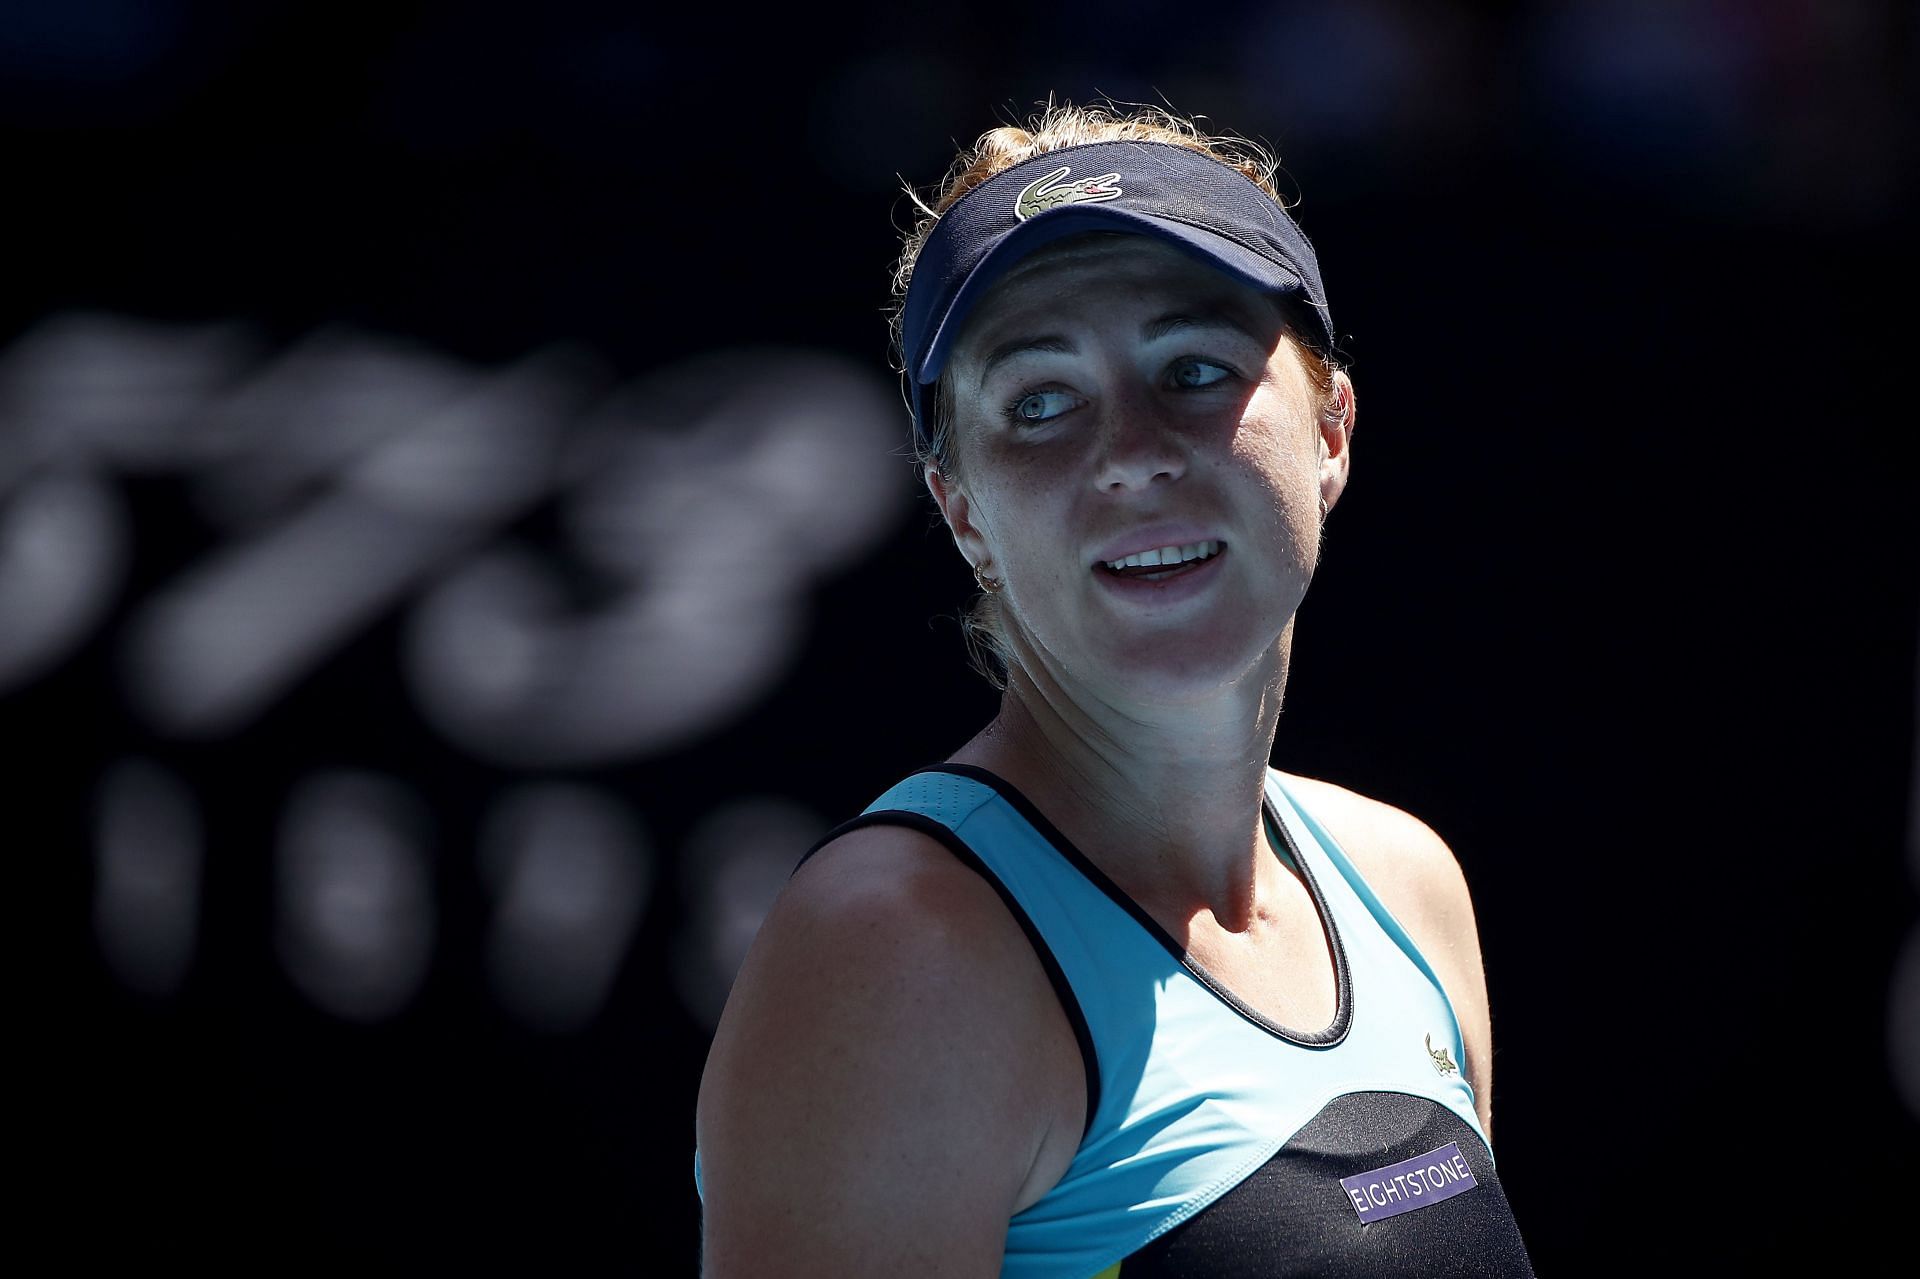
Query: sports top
x=1219, y=1144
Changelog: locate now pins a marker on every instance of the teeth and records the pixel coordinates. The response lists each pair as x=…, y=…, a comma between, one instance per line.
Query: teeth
x=1167, y=555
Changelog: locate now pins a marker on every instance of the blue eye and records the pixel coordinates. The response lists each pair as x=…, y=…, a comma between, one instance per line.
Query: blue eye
x=1040, y=406
x=1191, y=374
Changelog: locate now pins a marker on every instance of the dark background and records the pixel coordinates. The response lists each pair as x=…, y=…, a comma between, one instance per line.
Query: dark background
x=1622, y=598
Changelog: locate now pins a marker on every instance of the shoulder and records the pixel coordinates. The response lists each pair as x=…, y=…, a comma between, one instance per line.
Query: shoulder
x=1418, y=878
x=873, y=1098
x=901, y=918
x=1411, y=868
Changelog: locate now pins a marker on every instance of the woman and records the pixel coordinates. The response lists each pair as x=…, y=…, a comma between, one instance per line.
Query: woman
x=1103, y=993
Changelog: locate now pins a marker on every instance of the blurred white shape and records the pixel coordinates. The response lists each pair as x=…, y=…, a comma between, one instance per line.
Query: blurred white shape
x=216, y=646
x=709, y=497
x=63, y=551
x=797, y=454
x=733, y=866
x=569, y=873
x=112, y=389
x=211, y=650
x=354, y=921
x=498, y=661
x=487, y=456
x=148, y=851
x=311, y=415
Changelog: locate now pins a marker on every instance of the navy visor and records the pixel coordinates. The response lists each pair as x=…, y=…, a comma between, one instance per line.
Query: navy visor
x=1172, y=192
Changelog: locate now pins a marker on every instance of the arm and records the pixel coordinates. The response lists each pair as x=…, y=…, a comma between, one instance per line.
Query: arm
x=873, y=1103
x=1419, y=879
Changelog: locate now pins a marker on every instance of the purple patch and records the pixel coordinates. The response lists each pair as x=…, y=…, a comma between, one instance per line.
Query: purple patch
x=1409, y=1184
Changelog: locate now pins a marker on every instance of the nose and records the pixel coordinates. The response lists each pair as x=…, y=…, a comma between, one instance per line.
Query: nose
x=1139, y=447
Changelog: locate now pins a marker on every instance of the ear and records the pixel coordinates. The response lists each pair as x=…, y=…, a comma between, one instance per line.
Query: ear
x=957, y=510
x=1336, y=440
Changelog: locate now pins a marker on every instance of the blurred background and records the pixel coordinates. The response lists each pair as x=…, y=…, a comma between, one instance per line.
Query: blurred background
x=457, y=551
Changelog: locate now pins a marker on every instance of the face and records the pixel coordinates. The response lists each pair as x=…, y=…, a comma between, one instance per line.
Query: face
x=1114, y=396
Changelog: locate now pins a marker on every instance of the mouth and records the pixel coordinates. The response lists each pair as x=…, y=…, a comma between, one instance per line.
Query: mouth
x=1163, y=563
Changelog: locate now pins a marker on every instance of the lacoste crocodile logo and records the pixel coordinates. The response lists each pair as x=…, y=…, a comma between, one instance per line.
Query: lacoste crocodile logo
x=1441, y=1061
x=1054, y=190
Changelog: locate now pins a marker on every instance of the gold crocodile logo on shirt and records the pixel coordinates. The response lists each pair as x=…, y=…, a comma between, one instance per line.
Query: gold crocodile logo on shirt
x=1441, y=1061
x=1054, y=190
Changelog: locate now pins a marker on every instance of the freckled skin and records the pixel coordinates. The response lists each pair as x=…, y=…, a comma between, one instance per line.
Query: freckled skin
x=1240, y=456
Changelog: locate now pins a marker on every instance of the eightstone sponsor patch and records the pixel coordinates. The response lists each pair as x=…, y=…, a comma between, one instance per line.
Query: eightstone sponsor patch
x=1412, y=1183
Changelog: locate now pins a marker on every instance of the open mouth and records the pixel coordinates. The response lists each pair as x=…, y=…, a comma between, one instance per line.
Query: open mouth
x=1166, y=562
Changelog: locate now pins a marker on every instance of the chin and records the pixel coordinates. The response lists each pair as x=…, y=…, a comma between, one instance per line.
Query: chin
x=1180, y=672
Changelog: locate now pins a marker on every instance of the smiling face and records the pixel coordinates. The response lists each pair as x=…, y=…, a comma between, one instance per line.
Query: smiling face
x=1114, y=396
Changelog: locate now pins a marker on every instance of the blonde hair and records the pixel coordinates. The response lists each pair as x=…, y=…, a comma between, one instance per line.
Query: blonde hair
x=1056, y=125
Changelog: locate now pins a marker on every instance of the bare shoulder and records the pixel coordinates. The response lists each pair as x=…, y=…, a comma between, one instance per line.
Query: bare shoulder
x=1418, y=878
x=1412, y=869
x=879, y=1097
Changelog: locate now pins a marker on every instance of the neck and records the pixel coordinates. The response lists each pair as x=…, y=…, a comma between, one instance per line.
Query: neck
x=1166, y=801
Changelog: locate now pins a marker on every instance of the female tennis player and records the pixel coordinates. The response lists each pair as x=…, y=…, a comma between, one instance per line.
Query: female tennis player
x=1103, y=993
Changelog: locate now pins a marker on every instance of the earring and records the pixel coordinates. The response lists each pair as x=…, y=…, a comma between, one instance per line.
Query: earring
x=987, y=583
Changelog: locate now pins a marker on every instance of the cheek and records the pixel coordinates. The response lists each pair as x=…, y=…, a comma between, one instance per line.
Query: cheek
x=1280, y=461
x=1288, y=475
x=1028, y=527
x=1005, y=513
x=1037, y=533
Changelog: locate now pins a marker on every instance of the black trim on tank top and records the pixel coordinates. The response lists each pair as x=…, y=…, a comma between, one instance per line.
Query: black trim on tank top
x=1069, y=1002
x=1342, y=1022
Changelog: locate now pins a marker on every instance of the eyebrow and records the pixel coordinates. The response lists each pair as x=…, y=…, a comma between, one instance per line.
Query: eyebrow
x=1151, y=331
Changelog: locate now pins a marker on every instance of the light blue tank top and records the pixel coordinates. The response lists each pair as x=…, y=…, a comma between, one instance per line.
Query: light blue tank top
x=1189, y=1090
